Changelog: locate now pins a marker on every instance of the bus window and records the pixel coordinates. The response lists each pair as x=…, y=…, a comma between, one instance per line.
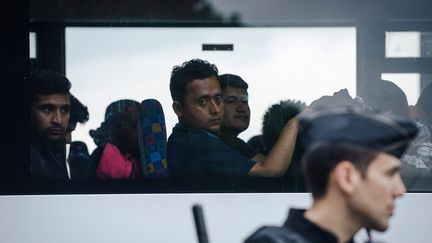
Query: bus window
x=277, y=63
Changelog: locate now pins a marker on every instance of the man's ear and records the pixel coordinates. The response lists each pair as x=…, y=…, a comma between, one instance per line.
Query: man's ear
x=178, y=109
x=346, y=177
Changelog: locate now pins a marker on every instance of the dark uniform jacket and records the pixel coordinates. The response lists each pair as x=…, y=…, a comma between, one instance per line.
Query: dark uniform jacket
x=297, y=229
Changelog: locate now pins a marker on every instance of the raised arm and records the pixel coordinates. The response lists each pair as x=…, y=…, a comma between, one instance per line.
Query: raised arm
x=278, y=160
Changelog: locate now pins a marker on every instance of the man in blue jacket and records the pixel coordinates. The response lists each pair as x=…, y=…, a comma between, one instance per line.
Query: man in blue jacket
x=194, y=147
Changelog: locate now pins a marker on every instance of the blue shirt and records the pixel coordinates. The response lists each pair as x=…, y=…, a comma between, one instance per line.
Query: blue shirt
x=198, y=153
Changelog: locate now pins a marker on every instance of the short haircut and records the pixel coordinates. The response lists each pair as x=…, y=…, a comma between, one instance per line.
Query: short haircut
x=385, y=96
x=322, y=157
x=231, y=80
x=186, y=73
x=47, y=82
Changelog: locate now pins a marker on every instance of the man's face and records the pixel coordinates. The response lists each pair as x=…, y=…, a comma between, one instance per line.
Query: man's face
x=50, y=116
x=373, y=202
x=203, y=105
x=236, y=109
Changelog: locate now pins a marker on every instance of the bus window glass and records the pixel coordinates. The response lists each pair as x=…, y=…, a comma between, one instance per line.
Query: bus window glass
x=106, y=64
x=408, y=82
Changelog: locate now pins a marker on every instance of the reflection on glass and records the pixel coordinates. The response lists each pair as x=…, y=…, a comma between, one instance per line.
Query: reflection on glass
x=426, y=44
x=408, y=82
x=402, y=44
x=32, y=40
x=107, y=64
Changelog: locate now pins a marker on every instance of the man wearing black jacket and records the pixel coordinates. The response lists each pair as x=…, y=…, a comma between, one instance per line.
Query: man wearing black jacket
x=352, y=168
x=49, y=116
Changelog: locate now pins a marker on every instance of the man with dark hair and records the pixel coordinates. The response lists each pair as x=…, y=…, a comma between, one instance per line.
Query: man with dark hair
x=385, y=96
x=49, y=116
x=352, y=169
x=236, y=107
x=275, y=118
x=194, y=148
x=273, y=122
x=388, y=97
x=236, y=116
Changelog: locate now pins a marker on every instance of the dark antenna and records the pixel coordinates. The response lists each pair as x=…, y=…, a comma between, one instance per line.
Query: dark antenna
x=200, y=224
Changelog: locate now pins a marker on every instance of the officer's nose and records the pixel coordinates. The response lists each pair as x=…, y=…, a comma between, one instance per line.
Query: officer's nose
x=400, y=188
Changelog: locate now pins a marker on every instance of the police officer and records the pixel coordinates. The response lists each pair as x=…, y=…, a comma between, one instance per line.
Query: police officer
x=352, y=168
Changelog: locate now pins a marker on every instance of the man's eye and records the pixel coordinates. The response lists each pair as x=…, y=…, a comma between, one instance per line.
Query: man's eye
x=45, y=109
x=202, y=101
x=229, y=100
x=244, y=99
x=64, y=110
x=218, y=99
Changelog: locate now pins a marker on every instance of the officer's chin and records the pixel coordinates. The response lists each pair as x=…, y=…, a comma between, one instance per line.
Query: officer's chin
x=380, y=226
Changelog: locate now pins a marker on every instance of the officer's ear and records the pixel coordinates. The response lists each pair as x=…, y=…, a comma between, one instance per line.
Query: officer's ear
x=346, y=176
x=178, y=109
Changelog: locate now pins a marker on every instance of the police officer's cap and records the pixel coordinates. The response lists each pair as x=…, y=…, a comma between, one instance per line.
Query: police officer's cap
x=371, y=130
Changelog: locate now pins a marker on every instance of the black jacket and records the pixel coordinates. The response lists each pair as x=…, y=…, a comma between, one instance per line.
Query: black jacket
x=48, y=161
x=297, y=229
